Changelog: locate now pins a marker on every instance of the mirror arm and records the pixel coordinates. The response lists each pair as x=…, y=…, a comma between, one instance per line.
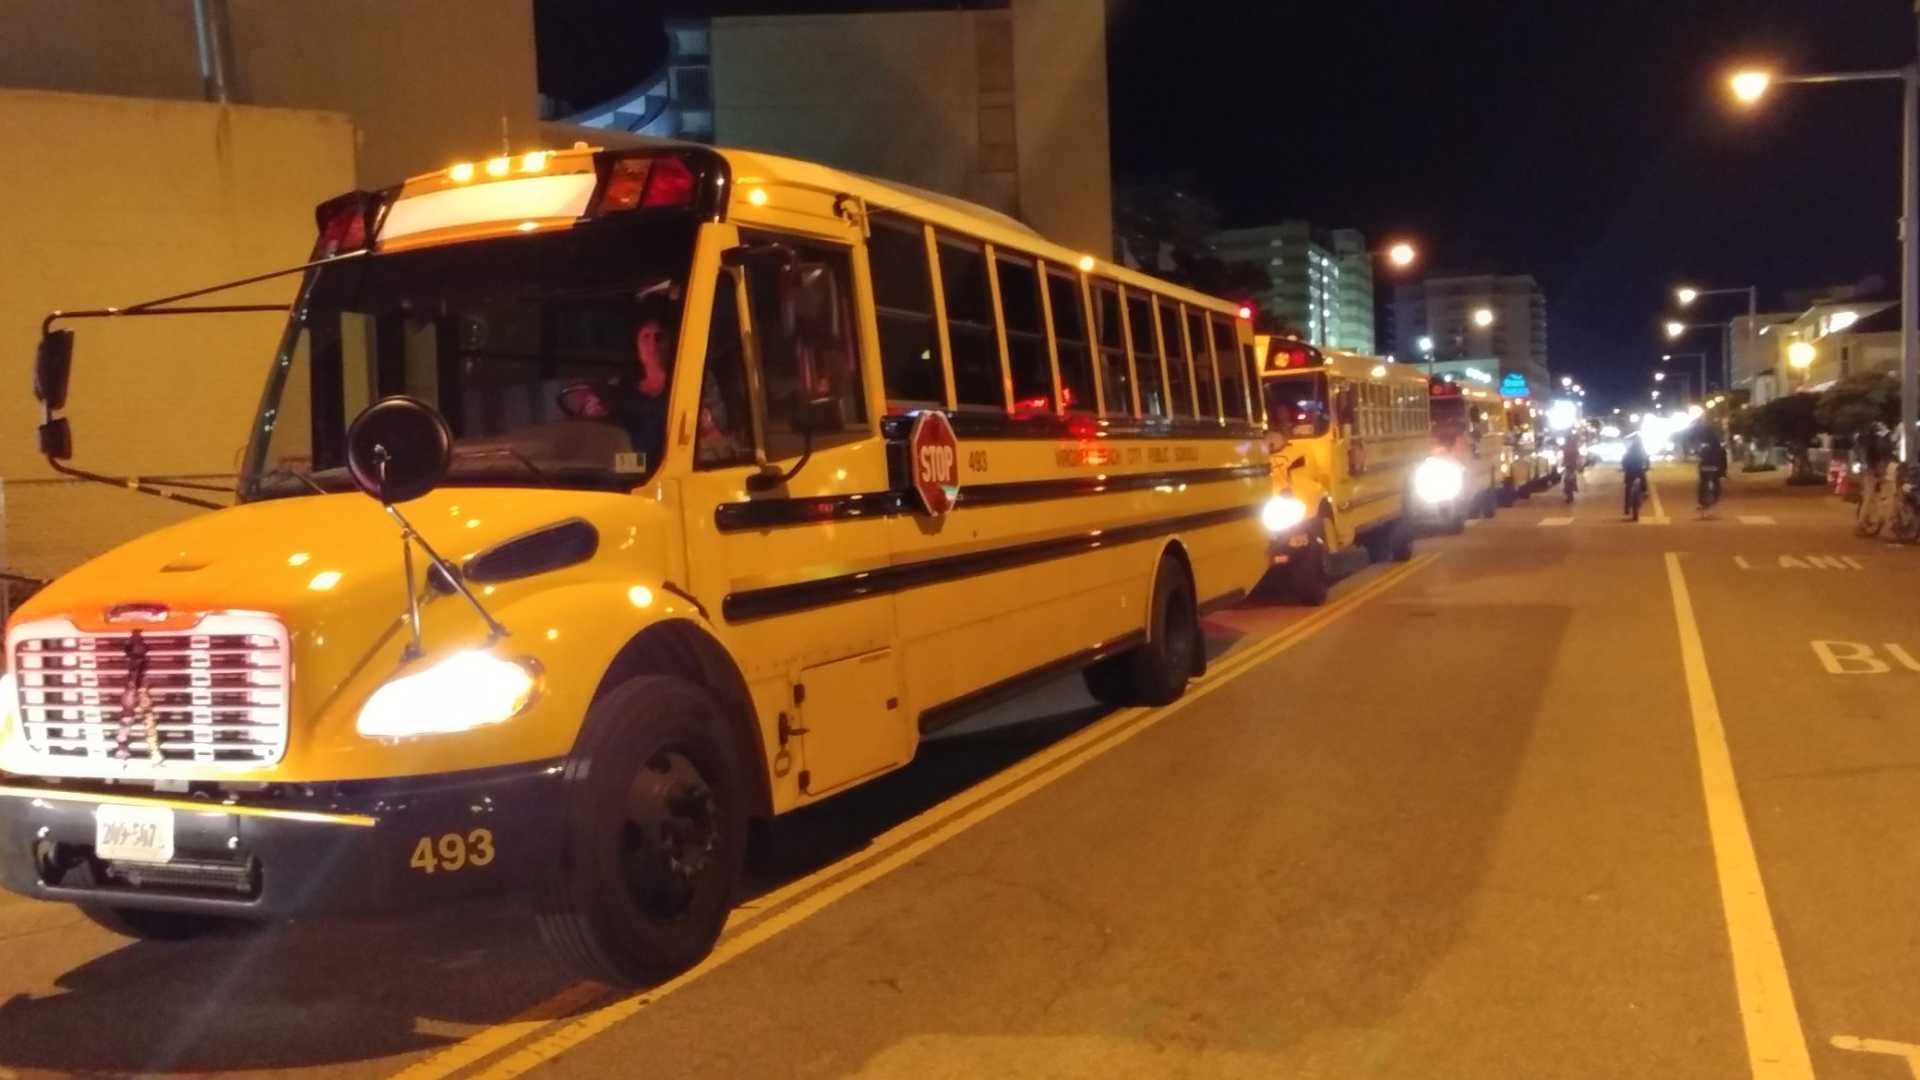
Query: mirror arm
x=765, y=481
x=408, y=537
x=134, y=484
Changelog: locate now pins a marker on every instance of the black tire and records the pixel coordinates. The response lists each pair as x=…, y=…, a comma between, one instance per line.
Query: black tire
x=1489, y=502
x=1156, y=673
x=1456, y=522
x=149, y=925
x=654, y=838
x=1402, y=550
x=1507, y=496
x=1307, y=581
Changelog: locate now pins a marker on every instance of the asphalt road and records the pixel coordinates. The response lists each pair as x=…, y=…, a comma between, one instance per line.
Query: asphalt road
x=1565, y=797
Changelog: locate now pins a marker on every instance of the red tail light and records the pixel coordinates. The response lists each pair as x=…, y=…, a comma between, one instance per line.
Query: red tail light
x=671, y=184
x=637, y=183
x=342, y=223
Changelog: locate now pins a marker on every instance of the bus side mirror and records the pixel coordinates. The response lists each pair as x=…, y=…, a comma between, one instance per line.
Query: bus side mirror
x=56, y=439
x=52, y=368
x=398, y=449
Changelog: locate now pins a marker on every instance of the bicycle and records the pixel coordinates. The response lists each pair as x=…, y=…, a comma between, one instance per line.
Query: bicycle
x=1905, y=517
x=1709, y=489
x=1636, y=494
x=1873, y=513
x=1570, y=482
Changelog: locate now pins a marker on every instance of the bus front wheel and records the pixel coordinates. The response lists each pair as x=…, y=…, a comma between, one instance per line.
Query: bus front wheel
x=655, y=835
x=1307, y=581
x=1156, y=672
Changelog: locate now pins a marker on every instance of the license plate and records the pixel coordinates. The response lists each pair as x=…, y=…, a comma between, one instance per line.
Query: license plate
x=133, y=833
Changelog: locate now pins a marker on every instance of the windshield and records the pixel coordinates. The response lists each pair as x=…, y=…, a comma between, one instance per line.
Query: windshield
x=1297, y=405
x=550, y=356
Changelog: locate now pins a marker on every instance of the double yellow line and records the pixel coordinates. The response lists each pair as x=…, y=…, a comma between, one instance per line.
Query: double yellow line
x=767, y=916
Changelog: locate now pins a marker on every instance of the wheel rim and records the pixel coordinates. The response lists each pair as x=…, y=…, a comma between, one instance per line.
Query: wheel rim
x=672, y=834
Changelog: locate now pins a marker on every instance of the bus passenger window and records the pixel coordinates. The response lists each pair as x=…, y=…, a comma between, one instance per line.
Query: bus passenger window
x=1146, y=356
x=1233, y=387
x=1026, y=336
x=970, y=335
x=1179, y=375
x=1252, y=368
x=723, y=434
x=903, y=307
x=803, y=317
x=1209, y=403
x=1070, y=340
x=1116, y=383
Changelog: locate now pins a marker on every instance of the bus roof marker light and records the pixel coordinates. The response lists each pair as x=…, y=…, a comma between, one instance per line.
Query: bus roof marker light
x=534, y=161
x=461, y=172
x=497, y=167
x=1086, y=264
x=1246, y=311
x=527, y=226
x=757, y=196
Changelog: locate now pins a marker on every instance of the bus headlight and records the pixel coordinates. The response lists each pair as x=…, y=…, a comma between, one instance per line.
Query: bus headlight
x=465, y=691
x=1438, y=480
x=1282, y=512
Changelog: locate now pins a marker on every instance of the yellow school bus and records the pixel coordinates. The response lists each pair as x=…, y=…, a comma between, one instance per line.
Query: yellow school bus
x=1526, y=464
x=705, y=483
x=1469, y=428
x=1349, y=438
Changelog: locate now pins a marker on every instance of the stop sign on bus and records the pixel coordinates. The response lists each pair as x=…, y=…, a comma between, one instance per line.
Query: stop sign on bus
x=933, y=458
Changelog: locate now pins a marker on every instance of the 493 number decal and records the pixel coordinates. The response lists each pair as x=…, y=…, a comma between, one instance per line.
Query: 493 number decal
x=452, y=851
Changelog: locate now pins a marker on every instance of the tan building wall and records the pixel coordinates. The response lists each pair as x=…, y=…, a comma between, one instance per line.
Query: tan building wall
x=128, y=199
x=1007, y=108
x=427, y=82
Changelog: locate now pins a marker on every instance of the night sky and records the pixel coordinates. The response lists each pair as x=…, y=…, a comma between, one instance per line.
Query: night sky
x=1591, y=144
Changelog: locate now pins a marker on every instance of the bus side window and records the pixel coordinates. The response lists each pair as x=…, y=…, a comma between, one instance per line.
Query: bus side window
x=724, y=427
x=1208, y=402
x=971, y=339
x=1070, y=340
x=1146, y=355
x=1116, y=382
x=803, y=320
x=1179, y=374
x=903, y=307
x=1027, y=359
x=1233, y=387
x=1252, y=367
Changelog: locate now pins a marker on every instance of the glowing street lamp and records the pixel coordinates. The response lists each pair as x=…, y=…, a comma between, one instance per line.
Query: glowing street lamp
x=1402, y=254
x=1686, y=295
x=1659, y=376
x=1675, y=329
x=1566, y=381
x=1426, y=345
x=1483, y=317
x=1750, y=86
x=1800, y=355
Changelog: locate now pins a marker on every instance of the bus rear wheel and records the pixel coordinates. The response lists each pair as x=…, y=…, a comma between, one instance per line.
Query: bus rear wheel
x=655, y=835
x=1156, y=672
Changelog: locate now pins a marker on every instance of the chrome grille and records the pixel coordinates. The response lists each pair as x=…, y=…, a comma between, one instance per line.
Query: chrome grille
x=215, y=694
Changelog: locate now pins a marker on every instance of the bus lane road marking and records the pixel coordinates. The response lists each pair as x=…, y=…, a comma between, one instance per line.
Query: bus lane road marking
x=1776, y=1043
x=1905, y=1051
x=760, y=920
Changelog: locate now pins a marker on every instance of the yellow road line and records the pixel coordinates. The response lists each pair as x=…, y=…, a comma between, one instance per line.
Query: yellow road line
x=774, y=913
x=1653, y=496
x=1776, y=1045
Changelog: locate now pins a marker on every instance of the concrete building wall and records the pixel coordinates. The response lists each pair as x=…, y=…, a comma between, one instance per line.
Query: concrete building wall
x=129, y=199
x=427, y=82
x=1007, y=108
x=1442, y=308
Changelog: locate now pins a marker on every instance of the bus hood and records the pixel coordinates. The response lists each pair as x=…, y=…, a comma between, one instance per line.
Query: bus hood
x=313, y=561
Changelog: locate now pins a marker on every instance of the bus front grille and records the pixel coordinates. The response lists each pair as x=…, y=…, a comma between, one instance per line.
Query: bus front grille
x=216, y=694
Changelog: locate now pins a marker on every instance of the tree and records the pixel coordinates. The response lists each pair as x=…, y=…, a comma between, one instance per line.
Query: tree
x=1167, y=230
x=1854, y=404
x=1787, y=422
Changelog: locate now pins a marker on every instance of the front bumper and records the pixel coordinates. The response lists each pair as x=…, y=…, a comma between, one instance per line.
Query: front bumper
x=1284, y=545
x=301, y=850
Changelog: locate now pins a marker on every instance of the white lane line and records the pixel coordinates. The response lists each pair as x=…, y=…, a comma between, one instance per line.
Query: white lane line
x=1858, y=1045
x=1776, y=1045
x=1654, y=521
x=1756, y=519
x=1547, y=522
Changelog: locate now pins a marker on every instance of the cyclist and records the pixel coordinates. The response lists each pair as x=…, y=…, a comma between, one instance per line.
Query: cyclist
x=1713, y=466
x=1571, y=465
x=1633, y=466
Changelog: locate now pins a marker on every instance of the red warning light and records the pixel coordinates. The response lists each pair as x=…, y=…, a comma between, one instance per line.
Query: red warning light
x=1246, y=311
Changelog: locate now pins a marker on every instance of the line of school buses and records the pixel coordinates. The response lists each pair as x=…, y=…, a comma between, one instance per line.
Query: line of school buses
x=719, y=481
